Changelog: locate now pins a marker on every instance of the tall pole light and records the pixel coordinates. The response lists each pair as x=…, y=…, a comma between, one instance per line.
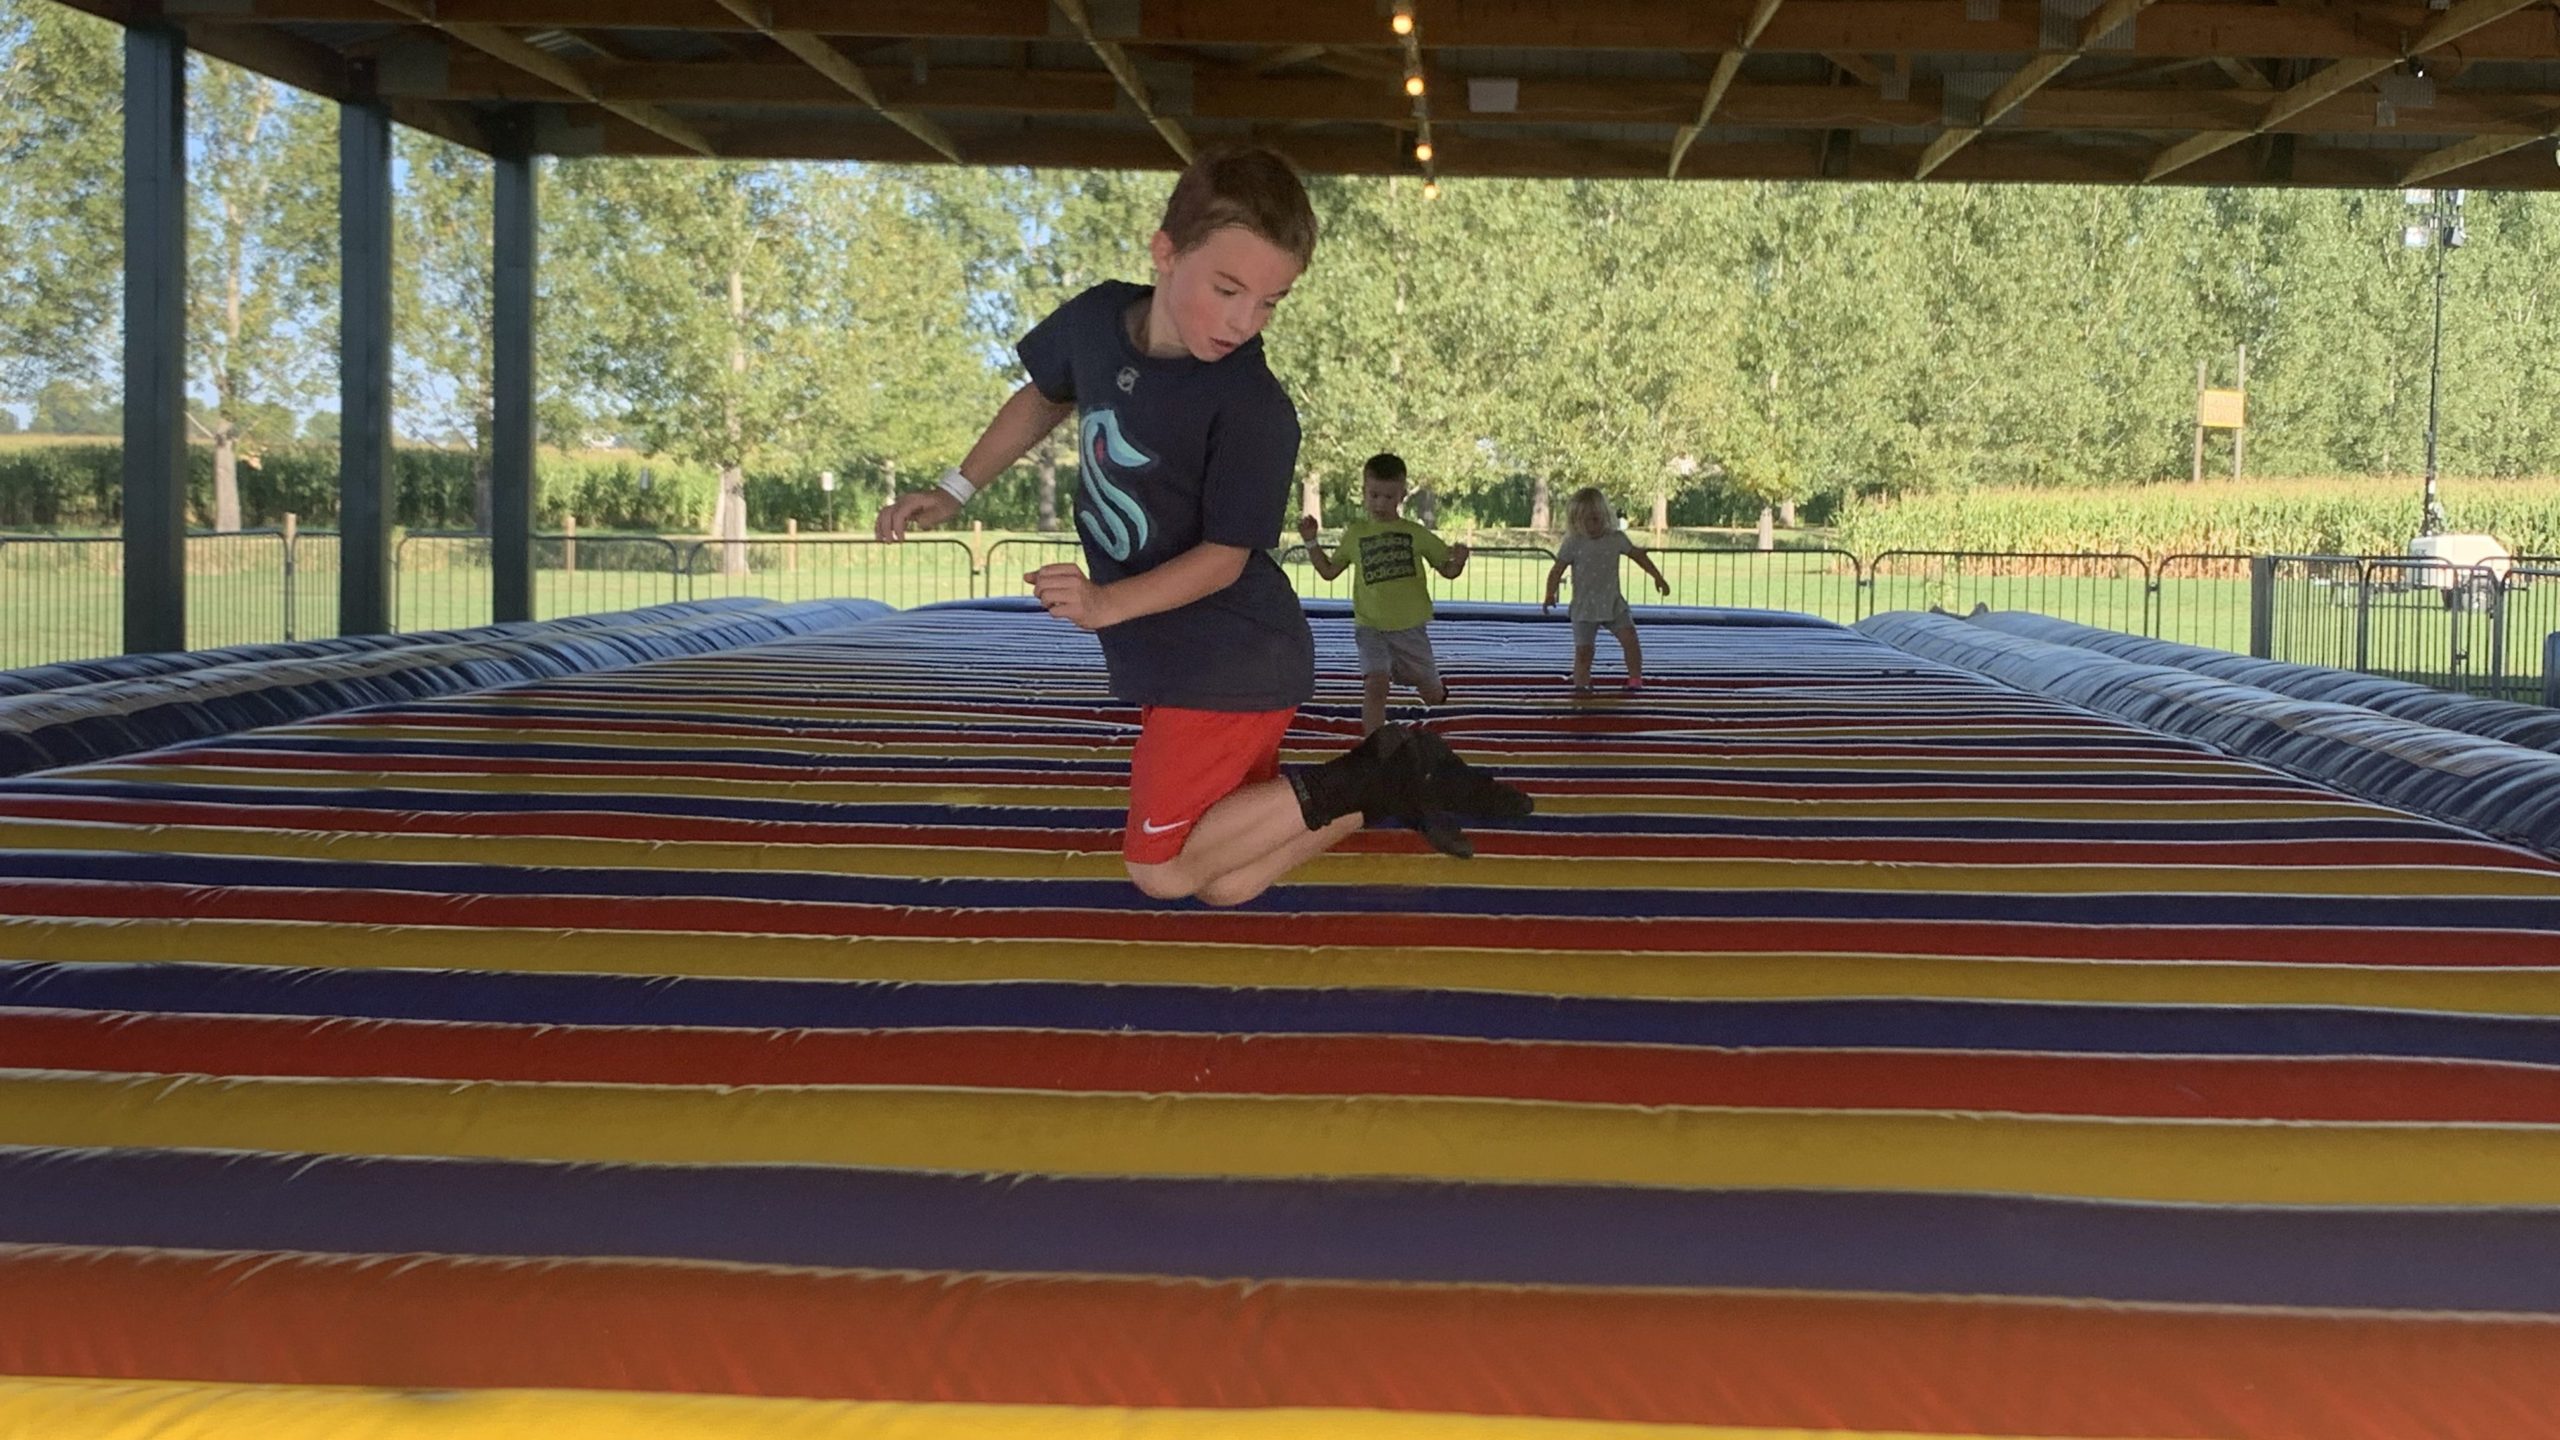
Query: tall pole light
x=2439, y=228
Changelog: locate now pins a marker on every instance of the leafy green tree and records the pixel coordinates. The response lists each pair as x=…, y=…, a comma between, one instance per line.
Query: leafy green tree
x=261, y=260
x=61, y=194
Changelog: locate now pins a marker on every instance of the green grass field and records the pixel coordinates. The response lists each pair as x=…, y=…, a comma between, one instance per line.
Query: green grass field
x=65, y=601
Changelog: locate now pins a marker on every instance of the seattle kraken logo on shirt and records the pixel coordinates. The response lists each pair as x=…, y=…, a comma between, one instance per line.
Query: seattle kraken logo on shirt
x=1113, y=520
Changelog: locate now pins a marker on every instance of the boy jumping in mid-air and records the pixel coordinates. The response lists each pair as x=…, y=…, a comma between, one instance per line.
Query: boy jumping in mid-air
x=1390, y=604
x=1187, y=451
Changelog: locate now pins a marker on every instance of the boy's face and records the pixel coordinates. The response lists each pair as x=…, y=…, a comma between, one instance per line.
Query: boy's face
x=1382, y=498
x=1221, y=292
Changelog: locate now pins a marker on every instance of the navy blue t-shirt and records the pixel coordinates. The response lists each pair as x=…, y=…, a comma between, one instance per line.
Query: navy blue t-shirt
x=1172, y=454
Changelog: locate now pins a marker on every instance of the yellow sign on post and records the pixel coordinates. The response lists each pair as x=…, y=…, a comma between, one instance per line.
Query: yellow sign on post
x=2223, y=410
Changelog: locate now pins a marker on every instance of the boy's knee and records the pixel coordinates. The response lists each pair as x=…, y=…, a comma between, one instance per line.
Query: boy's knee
x=1434, y=693
x=1228, y=890
x=1161, y=882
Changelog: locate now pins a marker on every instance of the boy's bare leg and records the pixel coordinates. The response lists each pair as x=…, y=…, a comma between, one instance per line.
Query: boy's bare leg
x=1242, y=884
x=1434, y=693
x=1373, y=702
x=1260, y=828
x=1635, y=653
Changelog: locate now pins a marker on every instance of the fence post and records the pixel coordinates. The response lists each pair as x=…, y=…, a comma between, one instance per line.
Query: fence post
x=569, y=545
x=292, y=533
x=790, y=545
x=2364, y=615
x=2262, y=606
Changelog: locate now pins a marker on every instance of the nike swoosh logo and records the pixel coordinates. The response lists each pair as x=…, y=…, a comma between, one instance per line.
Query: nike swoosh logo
x=1152, y=828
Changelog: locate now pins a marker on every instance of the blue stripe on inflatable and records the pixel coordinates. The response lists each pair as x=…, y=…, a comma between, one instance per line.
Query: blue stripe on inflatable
x=1108, y=816
x=572, y=999
x=2487, y=1260
x=2465, y=912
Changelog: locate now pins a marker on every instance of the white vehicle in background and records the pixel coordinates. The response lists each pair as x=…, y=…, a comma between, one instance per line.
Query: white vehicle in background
x=2470, y=568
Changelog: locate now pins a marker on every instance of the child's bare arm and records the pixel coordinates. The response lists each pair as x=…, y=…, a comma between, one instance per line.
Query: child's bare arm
x=1555, y=581
x=1020, y=422
x=1326, y=564
x=1066, y=592
x=1453, y=564
x=1644, y=562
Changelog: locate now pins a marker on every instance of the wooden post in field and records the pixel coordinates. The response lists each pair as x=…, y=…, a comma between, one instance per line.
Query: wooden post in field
x=977, y=543
x=292, y=527
x=2198, y=477
x=2240, y=435
x=569, y=544
x=791, y=544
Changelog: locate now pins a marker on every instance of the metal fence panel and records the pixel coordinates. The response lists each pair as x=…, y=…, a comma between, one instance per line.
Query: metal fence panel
x=61, y=598
x=238, y=589
x=919, y=571
x=2432, y=623
x=1512, y=574
x=2111, y=591
x=2202, y=599
x=1010, y=559
x=1827, y=583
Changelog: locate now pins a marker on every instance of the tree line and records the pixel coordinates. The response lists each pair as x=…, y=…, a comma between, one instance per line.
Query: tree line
x=1708, y=350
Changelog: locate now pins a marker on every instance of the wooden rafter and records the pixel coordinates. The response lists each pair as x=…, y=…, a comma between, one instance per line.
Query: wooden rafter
x=1117, y=61
x=2471, y=152
x=2333, y=79
x=1728, y=65
x=505, y=45
x=2029, y=78
x=815, y=52
x=2198, y=29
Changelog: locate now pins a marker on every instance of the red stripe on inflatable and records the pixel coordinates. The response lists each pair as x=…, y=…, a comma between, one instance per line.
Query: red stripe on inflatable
x=2288, y=1088
x=1990, y=939
x=612, y=825
x=1820, y=1362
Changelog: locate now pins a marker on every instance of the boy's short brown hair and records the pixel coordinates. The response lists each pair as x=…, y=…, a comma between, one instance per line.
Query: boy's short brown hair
x=1252, y=188
x=1385, y=467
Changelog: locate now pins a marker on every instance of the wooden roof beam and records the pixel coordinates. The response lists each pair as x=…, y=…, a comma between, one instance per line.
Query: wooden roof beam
x=814, y=52
x=2333, y=79
x=1124, y=70
x=501, y=44
x=2471, y=152
x=1728, y=65
x=2030, y=78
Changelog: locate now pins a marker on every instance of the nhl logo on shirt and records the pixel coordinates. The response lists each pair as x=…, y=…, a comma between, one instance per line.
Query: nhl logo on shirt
x=1128, y=378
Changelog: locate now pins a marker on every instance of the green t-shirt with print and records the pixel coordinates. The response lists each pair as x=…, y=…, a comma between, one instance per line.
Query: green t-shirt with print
x=1386, y=559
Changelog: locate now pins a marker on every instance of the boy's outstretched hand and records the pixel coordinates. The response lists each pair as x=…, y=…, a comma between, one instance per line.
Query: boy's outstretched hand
x=1307, y=528
x=1661, y=586
x=1063, y=591
x=915, y=510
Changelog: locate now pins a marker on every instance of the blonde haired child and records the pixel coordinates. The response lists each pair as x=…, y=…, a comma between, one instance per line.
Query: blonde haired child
x=1592, y=545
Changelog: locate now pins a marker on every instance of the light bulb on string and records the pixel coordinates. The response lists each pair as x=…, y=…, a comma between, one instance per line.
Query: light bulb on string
x=1430, y=189
x=1422, y=152
x=1413, y=85
x=1403, y=23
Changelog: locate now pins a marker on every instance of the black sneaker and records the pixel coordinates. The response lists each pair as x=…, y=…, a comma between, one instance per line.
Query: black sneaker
x=1451, y=785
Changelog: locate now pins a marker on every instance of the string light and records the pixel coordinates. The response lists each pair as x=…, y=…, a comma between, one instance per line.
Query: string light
x=1403, y=22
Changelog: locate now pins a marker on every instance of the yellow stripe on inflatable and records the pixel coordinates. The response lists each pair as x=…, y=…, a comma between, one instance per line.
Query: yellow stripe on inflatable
x=1522, y=872
x=167, y=1410
x=1427, y=1137
x=1115, y=797
x=1740, y=975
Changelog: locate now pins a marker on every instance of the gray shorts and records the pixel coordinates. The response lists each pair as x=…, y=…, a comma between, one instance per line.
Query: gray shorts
x=1586, y=633
x=1403, y=656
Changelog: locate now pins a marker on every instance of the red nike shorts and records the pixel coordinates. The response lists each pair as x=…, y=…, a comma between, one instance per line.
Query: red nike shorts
x=1187, y=761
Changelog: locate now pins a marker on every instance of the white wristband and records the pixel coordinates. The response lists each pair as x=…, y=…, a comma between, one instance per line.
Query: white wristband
x=956, y=485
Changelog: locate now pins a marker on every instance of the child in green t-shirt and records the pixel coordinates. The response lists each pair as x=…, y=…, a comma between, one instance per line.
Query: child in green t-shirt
x=1390, y=603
